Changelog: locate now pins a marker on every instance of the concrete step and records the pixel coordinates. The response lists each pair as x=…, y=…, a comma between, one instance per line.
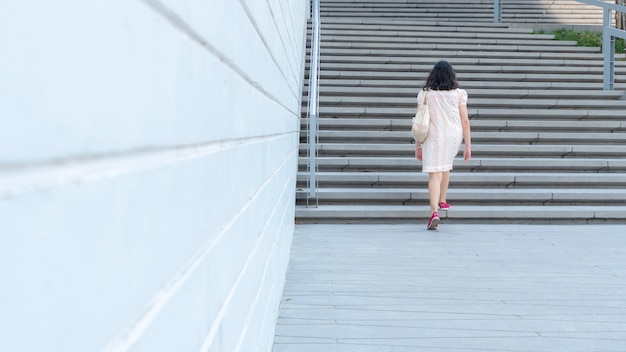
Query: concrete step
x=474, y=93
x=402, y=24
x=478, y=150
x=465, y=22
x=484, y=14
x=482, y=113
x=403, y=124
x=503, y=137
x=462, y=197
x=555, y=48
x=465, y=12
x=467, y=16
x=477, y=103
x=466, y=61
x=372, y=6
x=473, y=52
x=427, y=35
x=425, y=32
x=419, y=77
x=460, y=23
x=477, y=16
x=476, y=164
x=494, y=86
x=487, y=5
x=400, y=10
x=468, y=38
x=435, y=3
x=554, y=18
x=462, y=214
x=484, y=69
x=330, y=24
x=479, y=180
x=471, y=65
x=515, y=8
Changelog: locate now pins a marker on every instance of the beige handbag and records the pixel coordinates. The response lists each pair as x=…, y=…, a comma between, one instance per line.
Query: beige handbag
x=421, y=121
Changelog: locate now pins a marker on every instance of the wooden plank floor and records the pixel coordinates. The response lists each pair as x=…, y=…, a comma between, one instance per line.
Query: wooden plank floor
x=462, y=288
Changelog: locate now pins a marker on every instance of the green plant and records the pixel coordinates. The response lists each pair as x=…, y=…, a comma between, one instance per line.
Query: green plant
x=584, y=38
x=620, y=46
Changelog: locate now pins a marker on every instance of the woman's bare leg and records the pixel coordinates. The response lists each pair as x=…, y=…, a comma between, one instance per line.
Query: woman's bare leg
x=434, y=189
x=445, y=181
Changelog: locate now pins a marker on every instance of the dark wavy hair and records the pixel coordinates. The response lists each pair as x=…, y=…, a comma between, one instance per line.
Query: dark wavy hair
x=441, y=77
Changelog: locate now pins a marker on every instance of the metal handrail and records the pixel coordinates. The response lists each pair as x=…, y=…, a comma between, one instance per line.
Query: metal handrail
x=313, y=103
x=497, y=11
x=609, y=34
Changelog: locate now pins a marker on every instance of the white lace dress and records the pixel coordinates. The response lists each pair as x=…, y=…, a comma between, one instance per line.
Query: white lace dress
x=445, y=133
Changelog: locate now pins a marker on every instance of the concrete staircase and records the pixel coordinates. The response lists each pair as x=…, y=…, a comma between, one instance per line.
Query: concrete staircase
x=559, y=12
x=549, y=145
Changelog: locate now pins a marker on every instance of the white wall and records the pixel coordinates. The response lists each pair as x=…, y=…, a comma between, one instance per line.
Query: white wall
x=148, y=155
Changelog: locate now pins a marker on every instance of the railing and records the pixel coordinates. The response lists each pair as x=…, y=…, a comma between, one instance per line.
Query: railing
x=609, y=34
x=497, y=11
x=313, y=104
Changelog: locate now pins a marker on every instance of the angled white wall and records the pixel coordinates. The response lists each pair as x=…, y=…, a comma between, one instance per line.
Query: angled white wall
x=148, y=157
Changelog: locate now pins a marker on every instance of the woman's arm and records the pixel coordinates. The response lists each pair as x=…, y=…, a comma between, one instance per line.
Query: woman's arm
x=418, y=151
x=467, y=134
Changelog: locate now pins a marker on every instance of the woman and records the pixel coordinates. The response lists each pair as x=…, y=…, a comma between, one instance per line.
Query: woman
x=449, y=124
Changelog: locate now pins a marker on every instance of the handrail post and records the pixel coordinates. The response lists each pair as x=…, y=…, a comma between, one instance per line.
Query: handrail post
x=608, y=40
x=314, y=103
x=497, y=11
x=608, y=51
